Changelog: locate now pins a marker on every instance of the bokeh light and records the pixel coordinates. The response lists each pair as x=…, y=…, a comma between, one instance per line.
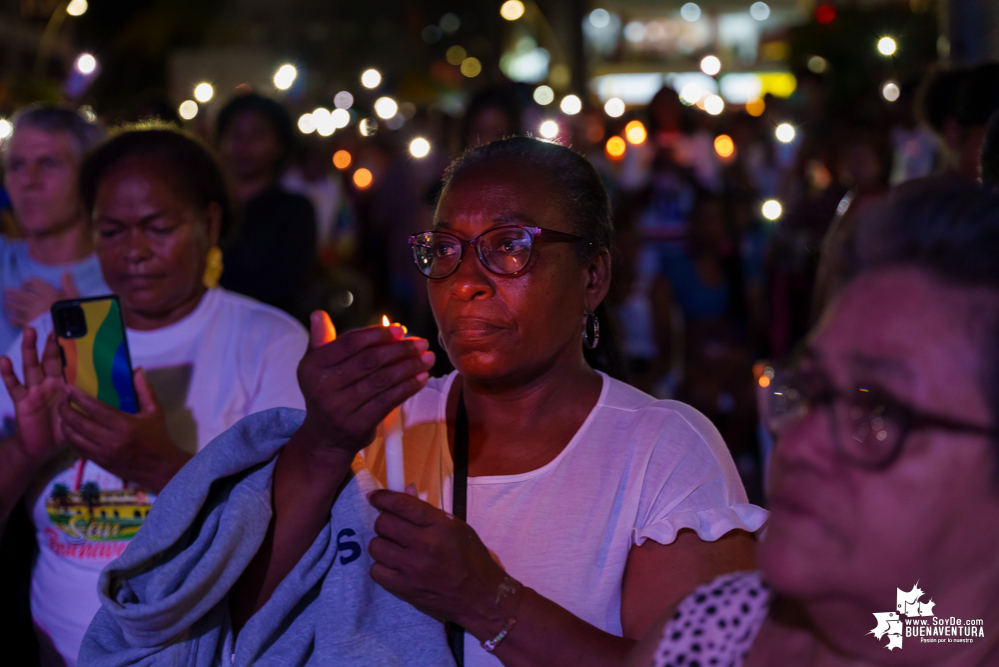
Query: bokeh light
x=571, y=105
x=548, y=129
x=85, y=63
x=340, y=118
x=342, y=159
x=450, y=23
x=771, y=209
x=188, y=109
x=756, y=107
x=285, y=76
x=615, y=148
x=785, y=133
x=614, y=107
x=544, y=95
x=759, y=11
x=714, y=104
x=385, y=107
x=419, y=147
x=817, y=64
x=886, y=46
x=343, y=100
x=690, y=12
x=724, y=145
x=76, y=7
x=455, y=54
x=825, y=14
x=204, y=92
x=691, y=94
x=362, y=179
x=368, y=127
x=512, y=10
x=306, y=123
x=6, y=129
x=370, y=78
x=600, y=18
x=710, y=65
x=635, y=132
x=471, y=67
x=890, y=91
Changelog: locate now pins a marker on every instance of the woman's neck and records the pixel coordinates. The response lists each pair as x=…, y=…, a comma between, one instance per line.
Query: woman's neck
x=143, y=320
x=520, y=427
x=65, y=245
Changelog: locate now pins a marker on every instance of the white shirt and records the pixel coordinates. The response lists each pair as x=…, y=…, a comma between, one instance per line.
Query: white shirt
x=229, y=358
x=637, y=469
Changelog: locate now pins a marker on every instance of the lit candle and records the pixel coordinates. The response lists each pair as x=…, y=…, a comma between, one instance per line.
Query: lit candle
x=395, y=471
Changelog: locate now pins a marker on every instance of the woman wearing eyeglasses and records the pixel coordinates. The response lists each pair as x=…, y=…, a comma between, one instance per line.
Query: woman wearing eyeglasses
x=884, y=479
x=554, y=511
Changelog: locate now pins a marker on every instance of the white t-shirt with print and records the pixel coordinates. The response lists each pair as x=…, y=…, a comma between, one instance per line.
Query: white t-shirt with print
x=637, y=469
x=229, y=358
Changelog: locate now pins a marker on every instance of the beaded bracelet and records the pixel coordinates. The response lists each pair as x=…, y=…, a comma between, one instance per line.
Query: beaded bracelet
x=491, y=644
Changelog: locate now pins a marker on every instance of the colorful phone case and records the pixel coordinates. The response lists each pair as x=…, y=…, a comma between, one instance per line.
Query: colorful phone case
x=98, y=362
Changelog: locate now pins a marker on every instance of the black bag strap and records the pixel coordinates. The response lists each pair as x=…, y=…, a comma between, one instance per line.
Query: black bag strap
x=459, y=506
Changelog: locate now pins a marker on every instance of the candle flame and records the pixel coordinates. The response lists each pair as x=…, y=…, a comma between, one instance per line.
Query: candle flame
x=385, y=321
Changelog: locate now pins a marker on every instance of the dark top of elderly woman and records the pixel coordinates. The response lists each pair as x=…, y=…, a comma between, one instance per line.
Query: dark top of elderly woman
x=884, y=478
x=515, y=334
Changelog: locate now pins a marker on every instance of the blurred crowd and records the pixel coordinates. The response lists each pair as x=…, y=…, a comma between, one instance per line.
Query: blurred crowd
x=706, y=280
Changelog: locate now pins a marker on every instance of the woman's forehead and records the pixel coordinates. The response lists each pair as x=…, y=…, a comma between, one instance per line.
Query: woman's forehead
x=499, y=191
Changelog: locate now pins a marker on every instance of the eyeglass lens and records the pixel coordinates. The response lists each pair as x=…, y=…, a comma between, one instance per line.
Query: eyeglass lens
x=505, y=250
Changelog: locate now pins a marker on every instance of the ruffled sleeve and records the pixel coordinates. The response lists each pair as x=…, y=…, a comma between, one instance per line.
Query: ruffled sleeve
x=691, y=482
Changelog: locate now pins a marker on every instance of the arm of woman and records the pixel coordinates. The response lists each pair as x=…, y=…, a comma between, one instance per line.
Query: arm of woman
x=350, y=384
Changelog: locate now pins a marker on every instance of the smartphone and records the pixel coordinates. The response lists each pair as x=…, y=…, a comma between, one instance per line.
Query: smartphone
x=91, y=336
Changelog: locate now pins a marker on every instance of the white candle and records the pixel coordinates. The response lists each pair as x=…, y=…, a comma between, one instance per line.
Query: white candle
x=395, y=469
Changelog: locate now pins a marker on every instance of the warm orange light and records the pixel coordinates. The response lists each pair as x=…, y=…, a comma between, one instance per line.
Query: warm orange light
x=724, y=145
x=764, y=381
x=362, y=178
x=385, y=321
x=635, y=132
x=756, y=107
x=341, y=159
x=615, y=148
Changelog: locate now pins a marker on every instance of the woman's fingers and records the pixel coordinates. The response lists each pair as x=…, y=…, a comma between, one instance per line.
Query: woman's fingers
x=321, y=329
x=16, y=390
x=33, y=373
x=405, y=507
x=52, y=358
x=388, y=553
x=397, y=529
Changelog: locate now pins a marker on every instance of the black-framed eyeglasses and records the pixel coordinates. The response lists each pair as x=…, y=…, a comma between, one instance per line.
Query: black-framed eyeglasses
x=868, y=425
x=505, y=251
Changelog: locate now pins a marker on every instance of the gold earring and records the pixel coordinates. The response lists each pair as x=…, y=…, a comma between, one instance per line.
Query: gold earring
x=213, y=267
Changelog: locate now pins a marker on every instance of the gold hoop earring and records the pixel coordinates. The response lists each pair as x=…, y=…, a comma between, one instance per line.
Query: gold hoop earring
x=213, y=267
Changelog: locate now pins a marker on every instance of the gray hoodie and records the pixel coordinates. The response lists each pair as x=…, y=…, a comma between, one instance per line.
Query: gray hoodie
x=165, y=600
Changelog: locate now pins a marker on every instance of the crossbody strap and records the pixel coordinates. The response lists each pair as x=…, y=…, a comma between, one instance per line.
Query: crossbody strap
x=459, y=506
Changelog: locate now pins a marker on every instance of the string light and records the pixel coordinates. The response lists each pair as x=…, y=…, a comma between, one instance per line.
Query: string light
x=714, y=104
x=362, y=179
x=771, y=209
x=890, y=91
x=756, y=107
x=76, y=7
x=615, y=148
x=471, y=67
x=549, y=129
x=512, y=10
x=340, y=118
x=341, y=159
x=386, y=107
x=306, y=123
x=571, y=105
x=6, y=129
x=710, y=65
x=371, y=78
x=614, y=107
x=635, y=132
x=759, y=11
x=204, y=92
x=690, y=12
x=785, y=133
x=544, y=95
x=886, y=46
x=285, y=76
x=188, y=109
x=419, y=147
x=85, y=63
x=724, y=145
x=343, y=100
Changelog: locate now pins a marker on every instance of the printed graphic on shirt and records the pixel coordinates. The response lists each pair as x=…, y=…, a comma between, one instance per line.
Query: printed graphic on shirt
x=93, y=514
